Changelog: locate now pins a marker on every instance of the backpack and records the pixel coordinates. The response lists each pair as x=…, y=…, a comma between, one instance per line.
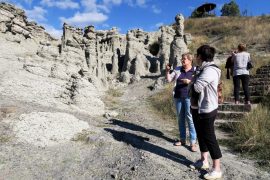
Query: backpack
x=219, y=88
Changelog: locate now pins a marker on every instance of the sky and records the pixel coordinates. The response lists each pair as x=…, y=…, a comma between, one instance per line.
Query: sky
x=148, y=15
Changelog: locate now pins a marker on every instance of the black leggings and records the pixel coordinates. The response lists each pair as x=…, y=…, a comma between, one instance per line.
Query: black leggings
x=236, y=83
x=204, y=125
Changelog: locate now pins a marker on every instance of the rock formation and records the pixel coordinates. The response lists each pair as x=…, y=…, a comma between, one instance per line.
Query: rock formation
x=165, y=40
x=178, y=46
x=77, y=68
x=138, y=58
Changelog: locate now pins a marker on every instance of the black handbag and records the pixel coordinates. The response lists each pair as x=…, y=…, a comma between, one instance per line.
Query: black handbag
x=249, y=65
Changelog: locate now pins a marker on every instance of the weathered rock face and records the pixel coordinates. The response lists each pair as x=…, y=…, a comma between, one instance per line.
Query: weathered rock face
x=100, y=51
x=85, y=61
x=138, y=59
x=35, y=68
x=165, y=40
x=179, y=45
x=14, y=20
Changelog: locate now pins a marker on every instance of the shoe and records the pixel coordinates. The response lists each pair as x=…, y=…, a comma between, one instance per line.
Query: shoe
x=213, y=175
x=199, y=165
x=247, y=102
x=179, y=143
x=193, y=147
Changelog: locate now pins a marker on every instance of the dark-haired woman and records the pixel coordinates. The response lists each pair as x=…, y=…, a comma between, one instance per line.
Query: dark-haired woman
x=241, y=73
x=204, y=105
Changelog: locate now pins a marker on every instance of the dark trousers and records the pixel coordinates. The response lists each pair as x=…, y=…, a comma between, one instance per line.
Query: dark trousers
x=236, y=83
x=204, y=126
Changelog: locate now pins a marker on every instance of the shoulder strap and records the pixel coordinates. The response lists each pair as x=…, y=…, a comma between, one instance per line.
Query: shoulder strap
x=214, y=65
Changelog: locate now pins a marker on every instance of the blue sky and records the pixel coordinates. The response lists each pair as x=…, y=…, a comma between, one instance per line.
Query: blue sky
x=123, y=14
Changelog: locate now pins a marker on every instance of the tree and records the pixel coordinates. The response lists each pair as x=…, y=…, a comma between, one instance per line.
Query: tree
x=230, y=9
x=197, y=14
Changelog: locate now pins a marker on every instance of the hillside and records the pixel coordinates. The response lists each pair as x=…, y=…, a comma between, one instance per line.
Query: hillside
x=225, y=33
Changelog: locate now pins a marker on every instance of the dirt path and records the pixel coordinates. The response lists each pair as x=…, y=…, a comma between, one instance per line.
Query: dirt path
x=135, y=145
x=140, y=127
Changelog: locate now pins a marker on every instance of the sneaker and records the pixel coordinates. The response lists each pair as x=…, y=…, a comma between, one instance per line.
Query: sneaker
x=199, y=165
x=213, y=175
x=193, y=147
x=247, y=102
x=179, y=143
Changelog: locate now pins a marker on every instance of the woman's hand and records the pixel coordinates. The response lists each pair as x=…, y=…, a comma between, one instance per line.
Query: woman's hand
x=185, y=81
x=168, y=68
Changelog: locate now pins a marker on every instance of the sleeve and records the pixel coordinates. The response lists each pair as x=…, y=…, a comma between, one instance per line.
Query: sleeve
x=171, y=77
x=205, y=78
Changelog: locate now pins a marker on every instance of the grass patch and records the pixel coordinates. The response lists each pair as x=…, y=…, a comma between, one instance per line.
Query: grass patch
x=82, y=136
x=4, y=139
x=163, y=103
x=251, y=136
x=114, y=92
x=110, y=98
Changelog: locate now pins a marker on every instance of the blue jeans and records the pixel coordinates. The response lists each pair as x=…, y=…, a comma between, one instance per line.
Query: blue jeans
x=183, y=113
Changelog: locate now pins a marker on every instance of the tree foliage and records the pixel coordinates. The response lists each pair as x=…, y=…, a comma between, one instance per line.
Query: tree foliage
x=230, y=9
x=197, y=14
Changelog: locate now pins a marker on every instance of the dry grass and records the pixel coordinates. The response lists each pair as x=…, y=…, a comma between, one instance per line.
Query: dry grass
x=82, y=136
x=114, y=92
x=163, y=103
x=229, y=31
x=4, y=139
x=252, y=136
x=111, y=98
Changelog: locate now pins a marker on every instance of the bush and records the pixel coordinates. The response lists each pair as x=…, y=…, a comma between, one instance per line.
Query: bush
x=230, y=9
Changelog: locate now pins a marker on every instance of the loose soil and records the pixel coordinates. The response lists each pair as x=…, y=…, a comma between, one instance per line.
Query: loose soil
x=137, y=144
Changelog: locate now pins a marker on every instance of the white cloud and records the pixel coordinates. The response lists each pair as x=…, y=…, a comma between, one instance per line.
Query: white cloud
x=85, y=19
x=159, y=24
x=156, y=9
x=115, y=2
x=36, y=14
x=133, y=3
x=63, y=4
x=141, y=3
x=56, y=33
x=28, y=1
x=90, y=5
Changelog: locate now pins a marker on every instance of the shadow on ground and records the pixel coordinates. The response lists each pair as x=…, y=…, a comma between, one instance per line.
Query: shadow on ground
x=135, y=127
x=140, y=142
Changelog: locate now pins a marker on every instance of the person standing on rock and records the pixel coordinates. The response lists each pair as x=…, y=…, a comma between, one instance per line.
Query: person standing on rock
x=182, y=75
x=204, y=105
x=241, y=72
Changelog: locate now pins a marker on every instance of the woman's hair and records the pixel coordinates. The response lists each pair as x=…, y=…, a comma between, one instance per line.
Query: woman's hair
x=206, y=53
x=188, y=55
x=242, y=47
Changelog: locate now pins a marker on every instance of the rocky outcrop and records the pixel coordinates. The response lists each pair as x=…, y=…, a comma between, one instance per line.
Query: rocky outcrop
x=139, y=60
x=95, y=58
x=165, y=40
x=178, y=46
x=14, y=20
